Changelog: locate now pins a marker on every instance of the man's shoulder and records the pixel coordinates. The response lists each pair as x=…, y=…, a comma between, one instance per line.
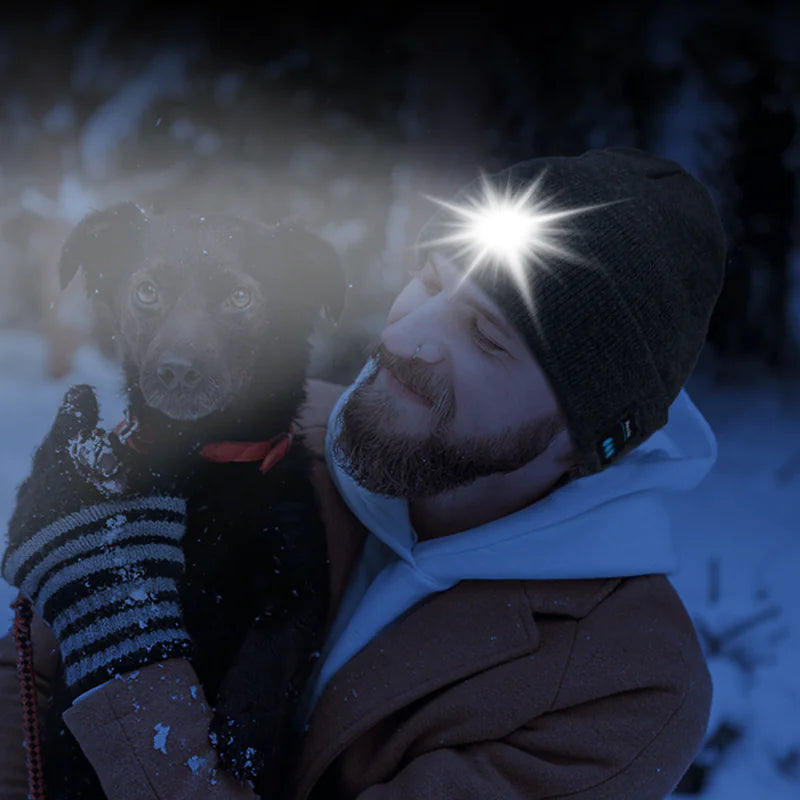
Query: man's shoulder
x=610, y=636
x=630, y=633
x=573, y=598
x=580, y=597
x=620, y=607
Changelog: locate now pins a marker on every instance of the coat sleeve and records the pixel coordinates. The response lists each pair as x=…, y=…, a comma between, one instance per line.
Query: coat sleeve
x=629, y=716
x=146, y=735
x=13, y=770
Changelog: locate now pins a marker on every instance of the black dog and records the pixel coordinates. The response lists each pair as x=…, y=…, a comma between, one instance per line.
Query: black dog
x=214, y=315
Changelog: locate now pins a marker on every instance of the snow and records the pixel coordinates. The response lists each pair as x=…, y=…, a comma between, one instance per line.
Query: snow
x=160, y=738
x=197, y=764
x=736, y=535
x=744, y=518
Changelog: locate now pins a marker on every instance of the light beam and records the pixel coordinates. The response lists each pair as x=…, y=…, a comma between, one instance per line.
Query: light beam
x=507, y=229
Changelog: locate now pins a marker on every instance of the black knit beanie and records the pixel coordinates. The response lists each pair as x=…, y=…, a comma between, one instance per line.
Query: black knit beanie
x=619, y=329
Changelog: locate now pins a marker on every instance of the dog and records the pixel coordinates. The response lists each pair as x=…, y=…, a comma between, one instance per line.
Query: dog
x=213, y=316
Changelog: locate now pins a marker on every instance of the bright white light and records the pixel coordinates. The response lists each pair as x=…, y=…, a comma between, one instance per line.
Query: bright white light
x=507, y=230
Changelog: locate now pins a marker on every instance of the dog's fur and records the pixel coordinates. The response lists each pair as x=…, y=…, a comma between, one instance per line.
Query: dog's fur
x=233, y=303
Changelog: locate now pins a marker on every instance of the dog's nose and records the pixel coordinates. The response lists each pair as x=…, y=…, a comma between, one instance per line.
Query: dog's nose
x=178, y=372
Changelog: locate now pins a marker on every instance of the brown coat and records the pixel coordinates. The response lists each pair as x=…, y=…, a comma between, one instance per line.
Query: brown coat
x=586, y=689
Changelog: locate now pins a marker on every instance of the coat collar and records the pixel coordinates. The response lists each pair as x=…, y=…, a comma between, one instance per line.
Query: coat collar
x=448, y=637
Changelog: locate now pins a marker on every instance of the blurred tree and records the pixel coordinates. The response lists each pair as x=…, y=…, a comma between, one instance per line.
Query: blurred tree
x=735, y=55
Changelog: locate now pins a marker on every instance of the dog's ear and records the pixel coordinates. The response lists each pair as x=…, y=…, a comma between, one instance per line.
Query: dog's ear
x=100, y=241
x=319, y=269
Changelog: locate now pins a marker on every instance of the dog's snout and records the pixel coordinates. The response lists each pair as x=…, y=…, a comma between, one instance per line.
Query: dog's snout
x=178, y=372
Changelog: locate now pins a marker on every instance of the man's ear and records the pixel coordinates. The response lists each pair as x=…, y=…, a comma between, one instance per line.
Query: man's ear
x=318, y=269
x=100, y=242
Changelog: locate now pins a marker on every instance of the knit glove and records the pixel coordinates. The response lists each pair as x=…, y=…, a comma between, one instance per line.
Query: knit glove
x=99, y=559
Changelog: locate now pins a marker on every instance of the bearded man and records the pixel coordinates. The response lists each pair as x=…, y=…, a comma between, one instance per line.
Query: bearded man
x=491, y=486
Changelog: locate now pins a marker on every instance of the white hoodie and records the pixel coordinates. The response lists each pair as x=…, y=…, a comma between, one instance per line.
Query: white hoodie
x=610, y=524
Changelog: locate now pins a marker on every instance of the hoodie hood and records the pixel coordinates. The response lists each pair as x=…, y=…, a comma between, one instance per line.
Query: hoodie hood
x=612, y=523
x=609, y=524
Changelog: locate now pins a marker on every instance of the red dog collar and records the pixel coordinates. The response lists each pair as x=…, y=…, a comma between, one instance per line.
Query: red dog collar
x=269, y=452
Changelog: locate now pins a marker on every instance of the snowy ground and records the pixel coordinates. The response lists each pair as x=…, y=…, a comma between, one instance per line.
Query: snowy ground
x=744, y=518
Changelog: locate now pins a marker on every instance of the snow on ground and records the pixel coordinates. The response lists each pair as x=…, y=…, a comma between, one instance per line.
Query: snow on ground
x=746, y=517
x=737, y=535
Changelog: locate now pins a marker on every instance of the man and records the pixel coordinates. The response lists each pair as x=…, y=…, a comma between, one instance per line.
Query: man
x=503, y=625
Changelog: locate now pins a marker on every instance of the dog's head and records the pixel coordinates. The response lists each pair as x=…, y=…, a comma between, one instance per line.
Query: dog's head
x=209, y=309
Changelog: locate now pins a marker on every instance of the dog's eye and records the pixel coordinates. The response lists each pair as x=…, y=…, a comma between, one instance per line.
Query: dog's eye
x=147, y=293
x=240, y=298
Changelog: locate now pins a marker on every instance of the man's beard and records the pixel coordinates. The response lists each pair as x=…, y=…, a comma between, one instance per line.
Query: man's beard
x=389, y=462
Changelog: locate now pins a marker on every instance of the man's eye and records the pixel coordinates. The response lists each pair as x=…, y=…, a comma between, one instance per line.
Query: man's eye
x=147, y=293
x=239, y=298
x=483, y=341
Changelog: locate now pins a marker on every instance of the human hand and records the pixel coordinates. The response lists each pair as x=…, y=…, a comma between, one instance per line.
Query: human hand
x=100, y=559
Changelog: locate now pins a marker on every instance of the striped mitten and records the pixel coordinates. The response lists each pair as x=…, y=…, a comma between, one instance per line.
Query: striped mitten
x=100, y=564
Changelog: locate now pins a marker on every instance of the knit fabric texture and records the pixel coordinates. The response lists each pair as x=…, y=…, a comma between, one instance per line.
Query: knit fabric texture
x=105, y=578
x=618, y=328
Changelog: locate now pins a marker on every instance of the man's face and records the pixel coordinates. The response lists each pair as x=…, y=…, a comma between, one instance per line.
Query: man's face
x=473, y=402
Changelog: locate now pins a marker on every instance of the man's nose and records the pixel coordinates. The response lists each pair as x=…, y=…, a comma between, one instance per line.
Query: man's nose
x=419, y=334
